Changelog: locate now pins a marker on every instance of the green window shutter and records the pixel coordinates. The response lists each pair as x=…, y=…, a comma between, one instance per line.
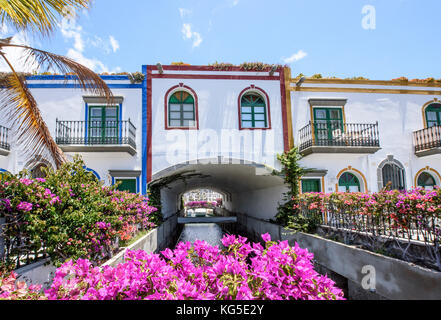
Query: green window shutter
x=426, y=180
x=103, y=124
x=349, y=183
x=327, y=121
x=127, y=185
x=311, y=185
x=181, y=110
x=433, y=115
x=253, y=112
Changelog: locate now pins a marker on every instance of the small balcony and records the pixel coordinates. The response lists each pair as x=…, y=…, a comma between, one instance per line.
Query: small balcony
x=427, y=141
x=96, y=136
x=5, y=146
x=337, y=137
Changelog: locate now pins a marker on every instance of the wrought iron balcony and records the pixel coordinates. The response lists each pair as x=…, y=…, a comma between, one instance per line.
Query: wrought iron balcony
x=96, y=136
x=5, y=146
x=427, y=141
x=337, y=137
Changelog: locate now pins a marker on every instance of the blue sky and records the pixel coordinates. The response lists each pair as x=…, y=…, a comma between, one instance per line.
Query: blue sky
x=320, y=36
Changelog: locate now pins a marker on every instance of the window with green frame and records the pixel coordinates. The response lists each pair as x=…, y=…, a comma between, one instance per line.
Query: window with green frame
x=127, y=185
x=426, y=181
x=433, y=115
x=311, y=185
x=327, y=123
x=348, y=182
x=103, y=124
x=253, y=111
x=181, y=110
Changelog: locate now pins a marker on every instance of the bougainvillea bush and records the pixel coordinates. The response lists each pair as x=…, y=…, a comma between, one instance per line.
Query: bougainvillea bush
x=403, y=209
x=398, y=216
x=241, y=271
x=69, y=214
x=201, y=204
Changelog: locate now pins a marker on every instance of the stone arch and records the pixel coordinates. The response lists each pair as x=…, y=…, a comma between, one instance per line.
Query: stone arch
x=390, y=160
x=34, y=166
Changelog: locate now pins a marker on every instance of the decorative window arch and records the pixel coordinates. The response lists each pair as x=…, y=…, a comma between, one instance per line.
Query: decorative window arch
x=254, y=109
x=432, y=113
x=391, y=171
x=351, y=180
x=181, y=108
x=427, y=178
x=93, y=172
x=2, y=173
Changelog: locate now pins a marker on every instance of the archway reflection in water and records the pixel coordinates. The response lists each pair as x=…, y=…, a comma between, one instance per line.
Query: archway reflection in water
x=209, y=232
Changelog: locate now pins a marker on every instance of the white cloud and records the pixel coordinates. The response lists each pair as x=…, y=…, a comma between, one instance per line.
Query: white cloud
x=184, y=12
x=70, y=30
x=17, y=57
x=296, y=57
x=114, y=43
x=93, y=64
x=189, y=34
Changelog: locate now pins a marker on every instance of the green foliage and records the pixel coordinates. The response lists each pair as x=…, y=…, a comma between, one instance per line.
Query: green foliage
x=136, y=77
x=69, y=214
x=292, y=172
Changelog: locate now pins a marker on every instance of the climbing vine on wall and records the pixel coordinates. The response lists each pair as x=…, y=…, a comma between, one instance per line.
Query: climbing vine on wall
x=292, y=172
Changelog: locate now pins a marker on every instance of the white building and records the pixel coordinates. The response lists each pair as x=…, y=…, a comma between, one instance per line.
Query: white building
x=229, y=125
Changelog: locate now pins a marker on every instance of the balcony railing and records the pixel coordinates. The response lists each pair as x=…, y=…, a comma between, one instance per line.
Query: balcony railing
x=4, y=139
x=427, y=140
x=95, y=133
x=336, y=135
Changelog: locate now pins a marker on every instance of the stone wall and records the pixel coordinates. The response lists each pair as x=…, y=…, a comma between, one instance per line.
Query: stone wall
x=394, y=279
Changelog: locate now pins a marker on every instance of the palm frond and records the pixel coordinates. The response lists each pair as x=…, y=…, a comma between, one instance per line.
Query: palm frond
x=37, y=15
x=47, y=61
x=21, y=108
x=32, y=133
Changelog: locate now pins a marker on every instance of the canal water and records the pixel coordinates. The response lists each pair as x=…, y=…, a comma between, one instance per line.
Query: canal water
x=209, y=232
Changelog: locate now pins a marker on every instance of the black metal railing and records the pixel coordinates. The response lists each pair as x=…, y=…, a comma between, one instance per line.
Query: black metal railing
x=95, y=133
x=428, y=138
x=336, y=133
x=4, y=138
x=381, y=231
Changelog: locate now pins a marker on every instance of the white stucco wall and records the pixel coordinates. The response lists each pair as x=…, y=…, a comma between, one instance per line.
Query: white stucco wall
x=68, y=104
x=398, y=116
x=218, y=114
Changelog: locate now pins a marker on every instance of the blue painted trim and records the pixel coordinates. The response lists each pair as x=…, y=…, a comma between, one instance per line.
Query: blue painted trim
x=76, y=86
x=113, y=181
x=137, y=184
x=93, y=171
x=144, y=132
x=86, y=125
x=120, y=123
x=72, y=77
x=3, y=170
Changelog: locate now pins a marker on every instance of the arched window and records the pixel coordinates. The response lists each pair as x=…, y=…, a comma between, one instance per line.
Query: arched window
x=433, y=115
x=348, y=182
x=393, y=175
x=181, y=110
x=253, y=111
x=37, y=171
x=426, y=181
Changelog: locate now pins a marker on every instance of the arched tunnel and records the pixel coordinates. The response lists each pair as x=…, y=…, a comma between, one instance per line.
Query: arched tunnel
x=248, y=188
